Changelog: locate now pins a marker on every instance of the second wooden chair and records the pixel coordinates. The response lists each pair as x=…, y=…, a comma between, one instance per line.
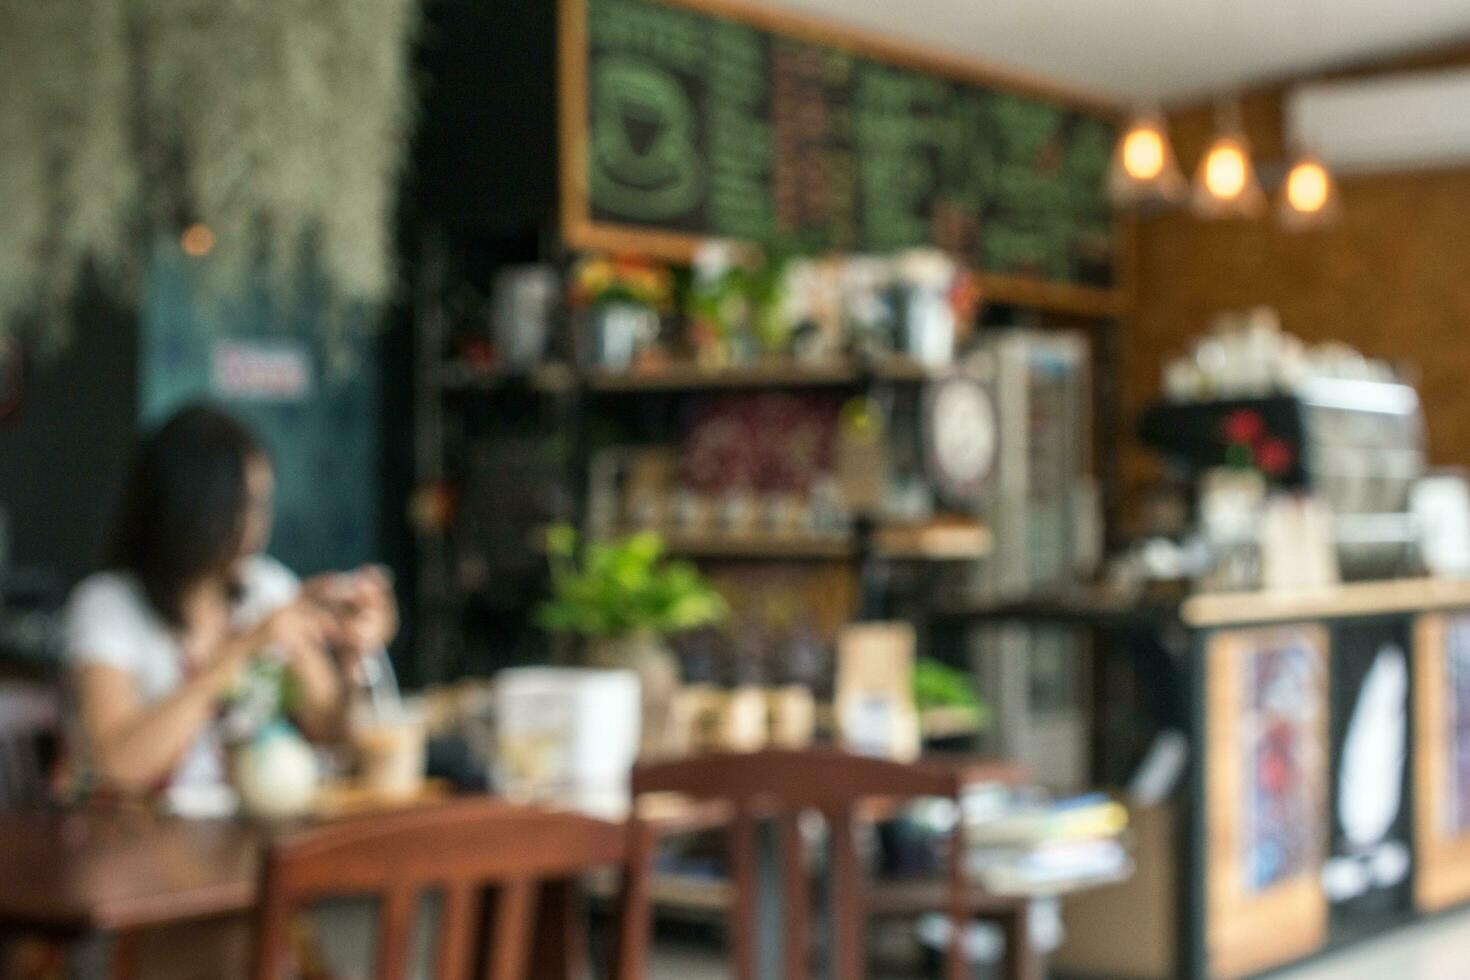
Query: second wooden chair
x=780, y=786
x=492, y=863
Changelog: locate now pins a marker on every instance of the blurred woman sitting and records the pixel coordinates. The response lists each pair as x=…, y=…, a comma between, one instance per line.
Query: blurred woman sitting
x=160, y=639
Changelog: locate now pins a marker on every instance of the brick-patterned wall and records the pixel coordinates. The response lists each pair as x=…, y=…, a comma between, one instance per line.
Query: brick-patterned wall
x=1392, y=278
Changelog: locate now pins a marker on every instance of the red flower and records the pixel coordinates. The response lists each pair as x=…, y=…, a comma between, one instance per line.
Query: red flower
x=1243, y=425
x=1274, y=457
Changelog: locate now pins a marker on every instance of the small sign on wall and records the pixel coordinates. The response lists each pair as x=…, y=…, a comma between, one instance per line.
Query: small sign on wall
x=261, y=370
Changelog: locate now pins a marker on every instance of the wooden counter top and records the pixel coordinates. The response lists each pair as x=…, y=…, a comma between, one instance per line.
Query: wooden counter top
x=1352, y=599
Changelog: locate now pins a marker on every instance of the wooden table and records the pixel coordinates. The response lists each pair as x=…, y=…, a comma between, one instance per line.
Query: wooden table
x=73, y=874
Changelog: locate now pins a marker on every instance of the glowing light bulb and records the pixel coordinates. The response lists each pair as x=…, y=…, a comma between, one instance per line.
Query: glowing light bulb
x=1226, y=170
x=1308, y=187
x=1308, y=196
x=1225, y=185
x=1143, y=153
x=197, y=241
x=1143, y=168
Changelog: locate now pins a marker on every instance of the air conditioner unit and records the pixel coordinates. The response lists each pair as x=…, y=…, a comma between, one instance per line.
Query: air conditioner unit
x=1407, y=121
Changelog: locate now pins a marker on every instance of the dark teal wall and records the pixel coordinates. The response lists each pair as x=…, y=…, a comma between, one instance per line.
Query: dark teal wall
x=63, y=459
x=325, y=445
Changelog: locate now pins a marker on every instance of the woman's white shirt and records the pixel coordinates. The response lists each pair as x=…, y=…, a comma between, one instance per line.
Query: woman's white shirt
x=109, y=622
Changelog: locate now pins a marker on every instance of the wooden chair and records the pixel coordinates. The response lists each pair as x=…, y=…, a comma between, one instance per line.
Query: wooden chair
x=29, y=719
x=489, y=860
x=780, y=786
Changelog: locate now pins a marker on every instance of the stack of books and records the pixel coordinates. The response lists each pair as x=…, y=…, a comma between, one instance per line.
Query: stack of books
x=1047, y=847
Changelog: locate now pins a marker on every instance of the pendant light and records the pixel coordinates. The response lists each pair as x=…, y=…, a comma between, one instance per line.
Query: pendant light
x=1308, y=195
x=1225, y=185
x=1144, y=168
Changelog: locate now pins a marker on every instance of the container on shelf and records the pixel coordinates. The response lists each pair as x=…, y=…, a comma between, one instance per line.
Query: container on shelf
x=523, y=305
x=614, y=333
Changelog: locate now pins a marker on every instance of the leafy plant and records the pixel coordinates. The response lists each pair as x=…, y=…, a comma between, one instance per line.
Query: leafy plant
x=938, y=685
x=279, y=126
x=613, y=589
x=767, y=285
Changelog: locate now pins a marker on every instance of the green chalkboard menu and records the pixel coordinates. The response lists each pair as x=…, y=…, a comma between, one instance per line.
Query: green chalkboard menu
x=704, y=125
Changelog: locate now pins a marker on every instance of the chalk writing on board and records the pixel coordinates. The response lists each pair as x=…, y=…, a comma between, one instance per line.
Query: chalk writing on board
x=705, y=125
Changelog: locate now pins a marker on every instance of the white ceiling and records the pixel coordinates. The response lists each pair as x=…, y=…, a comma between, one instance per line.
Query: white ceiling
x=1161, y=50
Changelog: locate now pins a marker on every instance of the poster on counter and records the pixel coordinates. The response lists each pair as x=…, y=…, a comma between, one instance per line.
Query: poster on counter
x=1441, y=765
x=1368, y=872
x=1282, y=758
x=1266, y=774
x=1455, y=813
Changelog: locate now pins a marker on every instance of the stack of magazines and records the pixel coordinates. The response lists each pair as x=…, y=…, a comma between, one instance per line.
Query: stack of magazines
x=1023, y=845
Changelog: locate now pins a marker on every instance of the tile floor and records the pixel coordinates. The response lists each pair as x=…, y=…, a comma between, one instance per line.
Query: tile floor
x=1438, y=949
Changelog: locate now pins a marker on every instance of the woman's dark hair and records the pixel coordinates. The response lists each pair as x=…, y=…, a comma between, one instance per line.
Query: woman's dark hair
x=183, y=513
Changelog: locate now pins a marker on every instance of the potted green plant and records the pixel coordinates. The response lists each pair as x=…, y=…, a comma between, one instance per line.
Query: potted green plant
x=623, y=599
x=947, y=703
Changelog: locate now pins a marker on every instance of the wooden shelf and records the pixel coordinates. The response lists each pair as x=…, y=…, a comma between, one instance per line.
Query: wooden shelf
x=690, y=891
x=899, y=368
x=903, y=898
x=934, y=723
x=769, y=374
x=948, y=723
x=674, y=892
x=809, y=547
x=1087, y=301
x=683, y=376
x=884, y=898
x=941, y=541
x=551, y=377
x=772, y=373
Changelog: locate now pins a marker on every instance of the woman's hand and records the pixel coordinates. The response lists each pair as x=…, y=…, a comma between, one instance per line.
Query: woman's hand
x=363, y=615
x=298, y=628
x=300, y=632
x=357, y=617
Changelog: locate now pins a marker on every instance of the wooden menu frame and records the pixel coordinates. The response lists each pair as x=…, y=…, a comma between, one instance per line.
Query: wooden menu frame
x=1442, y=861
x=580, y=231
x=1247, y=932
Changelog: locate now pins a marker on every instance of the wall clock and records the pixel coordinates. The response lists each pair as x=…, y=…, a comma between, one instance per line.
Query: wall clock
x=961, y=435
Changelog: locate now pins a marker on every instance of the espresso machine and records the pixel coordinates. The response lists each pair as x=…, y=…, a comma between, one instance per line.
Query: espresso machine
x=1356, y=444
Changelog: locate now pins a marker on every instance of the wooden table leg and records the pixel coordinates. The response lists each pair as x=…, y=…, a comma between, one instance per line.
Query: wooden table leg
x=633, y=928
x=25, y=957
x=124, y=957
x=560, y=952
x=1022, y=961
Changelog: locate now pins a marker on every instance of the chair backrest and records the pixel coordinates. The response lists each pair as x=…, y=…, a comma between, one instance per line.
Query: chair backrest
x=780, y=786
x=29, y=719
x=490, y=861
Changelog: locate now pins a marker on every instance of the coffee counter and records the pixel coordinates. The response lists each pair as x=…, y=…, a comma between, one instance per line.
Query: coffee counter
x=1396, y=597
x=1328, y=739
